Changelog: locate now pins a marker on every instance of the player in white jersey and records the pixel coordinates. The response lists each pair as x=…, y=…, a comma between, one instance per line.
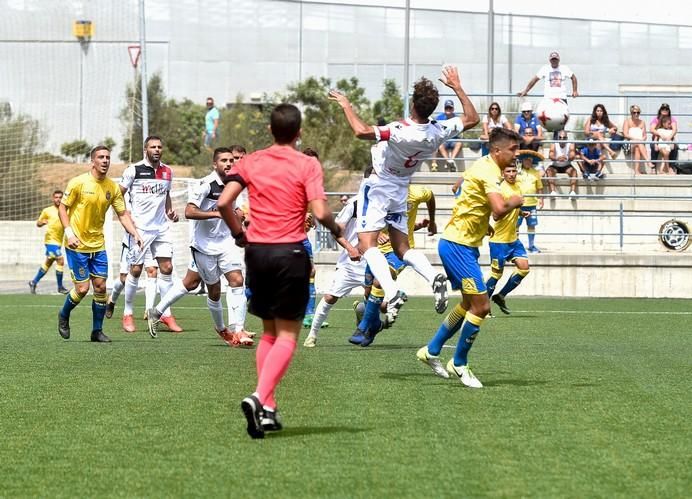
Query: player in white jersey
x=214, y=253
x=350, y=269
x=401, y=148
x=147, y=184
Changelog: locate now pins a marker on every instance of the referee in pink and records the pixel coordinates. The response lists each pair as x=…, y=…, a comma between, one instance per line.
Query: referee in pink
x=282, y=183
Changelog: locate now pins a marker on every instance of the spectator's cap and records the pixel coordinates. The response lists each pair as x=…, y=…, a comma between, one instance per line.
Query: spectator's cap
x=665, y=106
x=554, y=55
x=449, y=103
x=590, y=141
x=526, y=106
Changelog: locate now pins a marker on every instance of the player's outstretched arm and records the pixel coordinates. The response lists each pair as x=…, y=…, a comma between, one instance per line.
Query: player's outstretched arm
x=361, y=129
x=501, y=206
x=193, y=212
x=129, y=225
x=529, y=86
x=225, y=206
x=320, y=209
x=432, y=226
x=450, y=77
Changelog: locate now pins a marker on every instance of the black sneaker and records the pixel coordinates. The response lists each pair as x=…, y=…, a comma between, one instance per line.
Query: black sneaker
x=271, y=421
x=64, y=326
x=110, y=308
x=63, y=291
x=252, y=409
x=395, y=305
x=98, y=337
x=499, y=300
x=440, y=295
x=32, y=287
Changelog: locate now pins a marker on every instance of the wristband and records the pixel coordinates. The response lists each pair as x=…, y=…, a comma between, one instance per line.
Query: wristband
x=69, y=232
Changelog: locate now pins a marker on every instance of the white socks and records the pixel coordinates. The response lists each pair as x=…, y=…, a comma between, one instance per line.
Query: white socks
x=237, y=307
x=175, y=293
x=130, y=292
x=320, y=316
x=164, y=282
x=149, y=293
x=216, y=313
x=380, y=269
x=117, y=289
x=417, y=259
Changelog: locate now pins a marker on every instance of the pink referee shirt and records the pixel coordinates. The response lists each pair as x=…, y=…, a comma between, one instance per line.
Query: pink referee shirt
x=281, y=182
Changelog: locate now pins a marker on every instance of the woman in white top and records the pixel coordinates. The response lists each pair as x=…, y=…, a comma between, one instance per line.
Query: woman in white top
x=598, y=125
x=634, y=130
x=494, y=119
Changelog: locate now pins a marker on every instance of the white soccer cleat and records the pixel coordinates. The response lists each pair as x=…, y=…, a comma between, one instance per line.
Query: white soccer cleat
x=433, y=362
x=394, y=305
x=439, y=288
x=465, y=375
x=310, y=342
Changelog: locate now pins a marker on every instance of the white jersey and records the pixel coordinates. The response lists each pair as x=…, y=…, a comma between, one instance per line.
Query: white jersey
x=554, y=81
x=147, y=189
x=403, y=145
x=211, y=236
x=347, y=217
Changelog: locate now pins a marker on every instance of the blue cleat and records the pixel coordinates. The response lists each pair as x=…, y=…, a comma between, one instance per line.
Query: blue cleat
x=357, y=337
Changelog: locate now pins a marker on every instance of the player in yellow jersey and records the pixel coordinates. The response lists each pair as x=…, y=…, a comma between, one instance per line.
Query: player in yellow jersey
x=529, y=180
x=53, y=241
x=458, y=248
x=370, y=323
x=82, y=214
x=505, y=245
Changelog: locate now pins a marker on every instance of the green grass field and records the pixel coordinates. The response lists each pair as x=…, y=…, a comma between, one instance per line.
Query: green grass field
x=582, y=398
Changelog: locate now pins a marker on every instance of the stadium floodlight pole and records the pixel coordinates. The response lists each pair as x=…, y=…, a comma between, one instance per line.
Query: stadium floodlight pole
x=143, y=54
x=407, y=44
x=491, y=48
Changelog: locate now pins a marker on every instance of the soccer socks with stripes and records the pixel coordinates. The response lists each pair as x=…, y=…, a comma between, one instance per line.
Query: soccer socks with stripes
x=130, y=292
x=98, y=311
x=421, y=264
x=380, y=269
x=274, y=368
x=514, y=281
x=450, y=325
x=310, y=309
x=41, y=272
x=216, y=310
x=175, y=293
x=118, y=287
x=164, y=283
x=371, y=316
x=265, y=345
x=236, y=302
x=469, y=331
x=59, y=272
x=71, y=301
x=321, y=313
x=492, y=282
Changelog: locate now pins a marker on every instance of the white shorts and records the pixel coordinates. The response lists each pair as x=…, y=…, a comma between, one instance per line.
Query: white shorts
x=347, y=278
x=156, y=245
x=211, y=267
x=149, y=260
x=381, y=203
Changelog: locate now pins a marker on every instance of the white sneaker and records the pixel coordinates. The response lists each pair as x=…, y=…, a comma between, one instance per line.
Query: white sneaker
x=310, y=341
x=553, y=194
x=572, y=195
x=434, y=362
x=439, y=288
x=465, y=375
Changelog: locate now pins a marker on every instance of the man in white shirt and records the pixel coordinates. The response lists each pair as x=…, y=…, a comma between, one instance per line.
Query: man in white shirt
x=555, y=76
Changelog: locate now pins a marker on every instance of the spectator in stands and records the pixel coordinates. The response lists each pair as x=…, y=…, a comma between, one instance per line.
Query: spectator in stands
x=211, y=124
x=494, y=119
x=343, y=200
x=634, y=130
x=562, y=153
x=554, y=75
x=529, y=143
x=665, y=133
x=592, y=160
x=527, y=118
x=599, y=125
x=452, y=148
x=663, y=111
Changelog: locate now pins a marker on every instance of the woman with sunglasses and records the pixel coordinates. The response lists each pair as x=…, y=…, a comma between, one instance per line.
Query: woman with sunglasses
x=494, y=119
x=634, y=130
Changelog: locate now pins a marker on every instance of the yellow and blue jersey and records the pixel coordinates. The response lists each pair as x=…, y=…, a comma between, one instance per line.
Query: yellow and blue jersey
x=87, y=200
x=506, y=227
x=469, y=222
x=529, y=180
x=417, y=194
x=54, y=228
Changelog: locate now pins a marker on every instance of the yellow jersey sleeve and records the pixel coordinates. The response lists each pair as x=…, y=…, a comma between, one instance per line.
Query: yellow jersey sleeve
x=54, y=229
x=417, y=194
x=506, y=227
x=530, y=182
x=469, y=222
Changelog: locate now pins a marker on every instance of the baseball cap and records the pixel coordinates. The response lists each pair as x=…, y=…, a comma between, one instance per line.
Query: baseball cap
x=526, y=106
x=554, y=55
x=449, y=103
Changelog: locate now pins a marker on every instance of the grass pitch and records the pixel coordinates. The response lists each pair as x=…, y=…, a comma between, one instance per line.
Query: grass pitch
x=582, y=398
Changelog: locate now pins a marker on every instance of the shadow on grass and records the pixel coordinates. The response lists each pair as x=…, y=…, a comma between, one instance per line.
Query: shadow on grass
x=314, y=430
x=513, y=382
x=410, y=375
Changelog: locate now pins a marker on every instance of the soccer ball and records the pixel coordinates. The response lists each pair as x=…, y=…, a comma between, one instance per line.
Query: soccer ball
x=553, y=114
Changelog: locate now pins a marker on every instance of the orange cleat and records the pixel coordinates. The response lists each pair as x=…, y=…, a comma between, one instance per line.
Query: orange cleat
x=228, y=337
x=129, y=324
x=170, y=323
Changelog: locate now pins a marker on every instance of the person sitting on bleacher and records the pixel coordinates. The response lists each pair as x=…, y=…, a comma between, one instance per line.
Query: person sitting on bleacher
x=592, y=160
x=562, y=153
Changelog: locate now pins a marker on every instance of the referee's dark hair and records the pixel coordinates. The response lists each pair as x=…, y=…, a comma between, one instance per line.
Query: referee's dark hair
x=285, y=123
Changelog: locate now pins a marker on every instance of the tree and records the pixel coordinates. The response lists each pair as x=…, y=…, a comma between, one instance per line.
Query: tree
x=391, y=106
x=77, y=150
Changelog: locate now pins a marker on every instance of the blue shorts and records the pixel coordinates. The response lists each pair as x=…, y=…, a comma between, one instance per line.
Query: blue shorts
x=308, y=247
x=505, y=252
x=53, y=250
x=461, y=265
x=532, y=219
x=396, y=266
x=83, y=266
